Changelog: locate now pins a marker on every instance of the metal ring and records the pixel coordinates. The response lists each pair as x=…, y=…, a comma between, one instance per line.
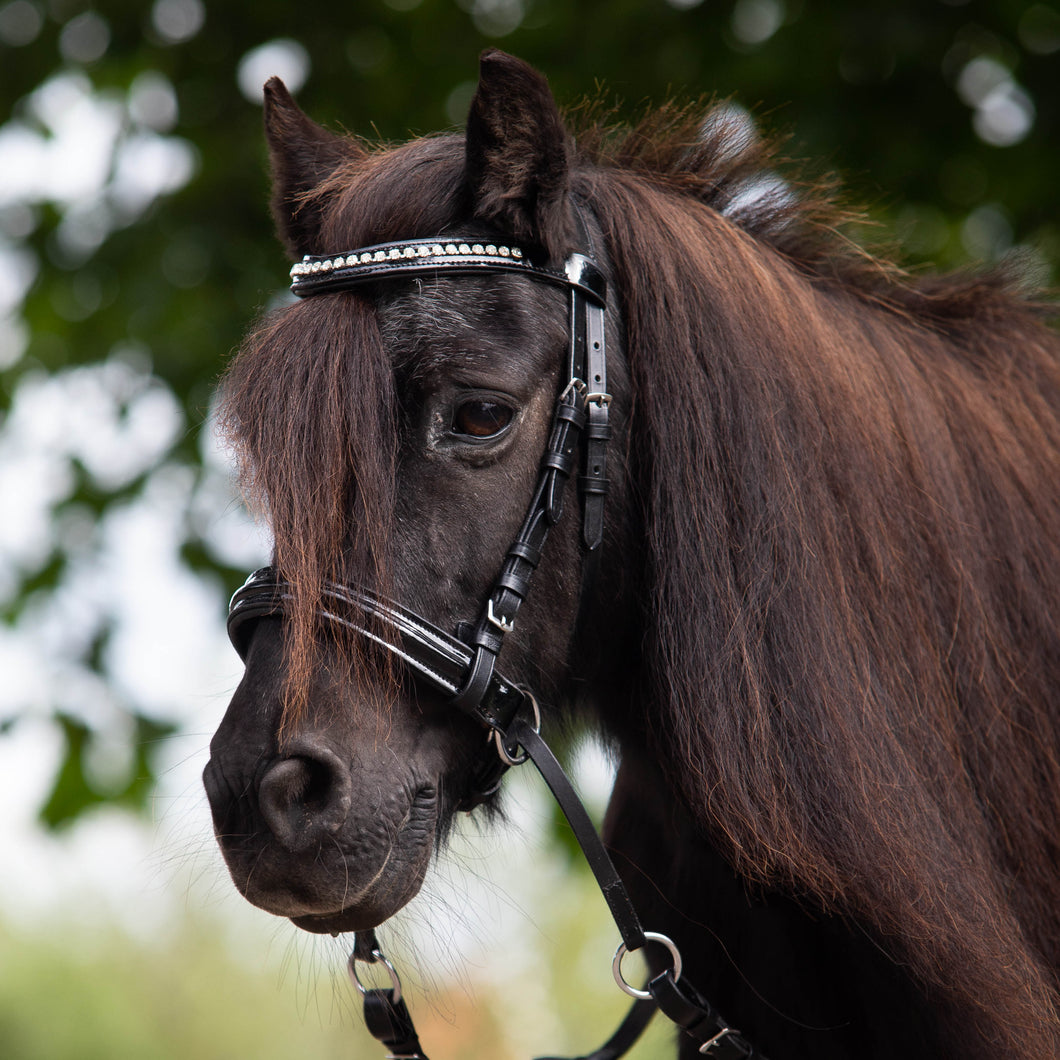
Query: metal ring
x=649, y=936
x=377, y=958
x=498, y=736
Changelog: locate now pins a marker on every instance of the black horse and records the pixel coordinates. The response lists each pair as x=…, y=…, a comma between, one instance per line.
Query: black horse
x=818, y=624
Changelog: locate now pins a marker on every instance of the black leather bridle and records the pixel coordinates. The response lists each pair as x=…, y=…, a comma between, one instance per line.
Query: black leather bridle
x=462, y=667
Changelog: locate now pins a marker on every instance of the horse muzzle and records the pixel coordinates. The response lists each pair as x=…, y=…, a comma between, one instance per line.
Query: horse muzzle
x=310, y=836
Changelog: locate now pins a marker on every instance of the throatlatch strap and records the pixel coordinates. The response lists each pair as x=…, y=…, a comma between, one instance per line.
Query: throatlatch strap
x=603, y=868
x=678, y=1000
x=685, y=1006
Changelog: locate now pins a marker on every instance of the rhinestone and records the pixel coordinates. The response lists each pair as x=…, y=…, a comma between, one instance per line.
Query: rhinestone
x=464, y=248
x=491, y=249
x=365, y=258
x=504, y=252
x=409, y=252
x=477, y=248
x=450, y=248
x=437, y=249
x=380, y=255
x=316, y=266
x=516, y=252
x=423, y=252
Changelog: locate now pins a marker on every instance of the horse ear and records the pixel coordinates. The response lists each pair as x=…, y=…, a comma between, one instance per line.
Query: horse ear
x=302, y=155
x=517, y=155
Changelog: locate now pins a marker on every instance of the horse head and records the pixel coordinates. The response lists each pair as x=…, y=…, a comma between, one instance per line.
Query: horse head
x=394, y=435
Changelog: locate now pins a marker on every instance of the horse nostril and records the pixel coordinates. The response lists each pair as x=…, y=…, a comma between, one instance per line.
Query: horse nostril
x=305, y=796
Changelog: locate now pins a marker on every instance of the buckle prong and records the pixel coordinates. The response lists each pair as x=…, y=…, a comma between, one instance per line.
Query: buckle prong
x=505, y=625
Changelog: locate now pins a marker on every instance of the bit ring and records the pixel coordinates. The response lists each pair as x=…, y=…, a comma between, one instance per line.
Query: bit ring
x=616, y=964
x=377, y=958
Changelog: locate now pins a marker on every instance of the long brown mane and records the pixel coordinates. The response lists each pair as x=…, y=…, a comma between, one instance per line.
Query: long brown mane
x=854, y=531
x=849, y=485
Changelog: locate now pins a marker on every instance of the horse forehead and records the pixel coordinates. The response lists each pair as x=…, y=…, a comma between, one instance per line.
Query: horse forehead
x=433, y=324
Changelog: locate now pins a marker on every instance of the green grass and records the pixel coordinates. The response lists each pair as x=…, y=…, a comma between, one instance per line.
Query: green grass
x=90, y=992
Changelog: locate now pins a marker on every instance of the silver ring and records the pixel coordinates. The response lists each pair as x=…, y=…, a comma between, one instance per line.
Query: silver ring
x=377, y=958
x=498, y=739
x=649, y=936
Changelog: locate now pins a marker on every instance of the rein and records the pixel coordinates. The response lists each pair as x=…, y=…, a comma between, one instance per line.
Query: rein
x=462, y=668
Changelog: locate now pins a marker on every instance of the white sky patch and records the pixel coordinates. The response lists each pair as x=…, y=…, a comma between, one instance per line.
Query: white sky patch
x=755, y=21
x=18, y=270
x=153, y=101
x=153, y=664
x=216, y=513
x=20, y=23
x=81, y=129
x=114, y=419
x=177, y=21
x=148, y=166
x=283, y=58
x=101, y=157
x=1004, y=111
x=85, y=38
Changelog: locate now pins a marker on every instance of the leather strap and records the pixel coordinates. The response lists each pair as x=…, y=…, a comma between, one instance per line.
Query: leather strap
x=433, y=656
x=603, y=868
x=385, y=1013
x=684, y=1005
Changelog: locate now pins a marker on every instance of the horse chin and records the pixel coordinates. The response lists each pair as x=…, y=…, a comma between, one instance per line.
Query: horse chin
x=368, y=912
x=357, y=878
x=398, y=882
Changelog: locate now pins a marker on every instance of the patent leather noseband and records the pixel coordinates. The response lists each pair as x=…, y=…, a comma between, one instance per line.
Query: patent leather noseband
x=462, y=665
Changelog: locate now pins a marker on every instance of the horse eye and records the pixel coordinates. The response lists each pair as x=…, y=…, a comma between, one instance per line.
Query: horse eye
x=480, y=418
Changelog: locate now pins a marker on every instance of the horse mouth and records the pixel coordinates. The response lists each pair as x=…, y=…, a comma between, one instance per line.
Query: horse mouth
x=397, y=880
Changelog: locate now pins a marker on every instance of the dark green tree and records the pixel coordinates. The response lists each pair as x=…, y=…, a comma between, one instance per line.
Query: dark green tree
x=135, y=242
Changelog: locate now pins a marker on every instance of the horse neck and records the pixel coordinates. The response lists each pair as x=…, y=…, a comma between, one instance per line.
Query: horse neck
x=849, y=511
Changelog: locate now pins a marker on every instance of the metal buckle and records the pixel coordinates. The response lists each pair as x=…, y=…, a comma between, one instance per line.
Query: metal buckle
x=722, y=1034
x=600, y=400
x=505, y=625
x=577, y=386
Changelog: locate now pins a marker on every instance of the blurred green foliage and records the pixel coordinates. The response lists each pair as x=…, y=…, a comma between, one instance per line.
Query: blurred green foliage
x=941, y=114
x=105, y=997
x=91, y=991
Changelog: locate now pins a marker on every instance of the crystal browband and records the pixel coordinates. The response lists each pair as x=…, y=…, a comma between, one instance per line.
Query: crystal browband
x=403, y=252
x=421, y=257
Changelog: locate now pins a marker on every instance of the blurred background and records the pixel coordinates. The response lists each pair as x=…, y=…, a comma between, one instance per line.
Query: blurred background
x=135, y=248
